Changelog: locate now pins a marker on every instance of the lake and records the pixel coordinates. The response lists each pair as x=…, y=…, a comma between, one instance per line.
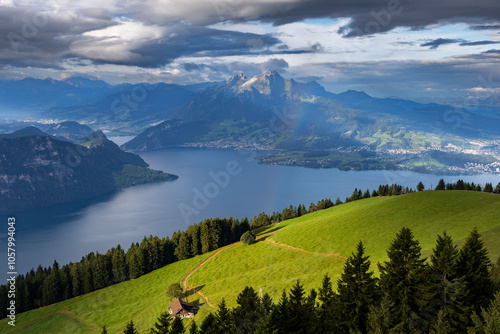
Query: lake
x=212, y=183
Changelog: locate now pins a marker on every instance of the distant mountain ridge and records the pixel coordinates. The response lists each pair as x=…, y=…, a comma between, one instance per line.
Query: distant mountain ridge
x=276, y=113
x=39, y=170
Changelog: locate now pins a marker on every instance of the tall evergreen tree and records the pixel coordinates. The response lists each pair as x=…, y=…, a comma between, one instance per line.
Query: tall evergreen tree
x=447, y=287
x=326, y=296
x=474, y=266
x=183, y=249
x=402, y=278
x=357, y=291
x=224, y=319
x=130, y=328
x=208, y=326
x=177, y=326
x=420, y=186
x=246, y=314
x=162, y=326
x=440, y=185
x=119, y=269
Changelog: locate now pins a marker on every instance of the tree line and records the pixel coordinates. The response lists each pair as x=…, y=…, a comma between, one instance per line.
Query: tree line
x=45, y=286
x=461, y=185
x=455, y=291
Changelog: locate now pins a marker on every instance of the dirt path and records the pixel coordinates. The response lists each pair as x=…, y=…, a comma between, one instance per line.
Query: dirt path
x=192, y=271
x=271, y=241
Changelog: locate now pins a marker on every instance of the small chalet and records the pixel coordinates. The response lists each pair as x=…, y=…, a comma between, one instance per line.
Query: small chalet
x=181, y=309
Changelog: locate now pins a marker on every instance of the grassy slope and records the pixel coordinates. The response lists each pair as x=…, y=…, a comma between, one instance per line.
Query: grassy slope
x=141, y=300
x=336, y=231
x=304, y=248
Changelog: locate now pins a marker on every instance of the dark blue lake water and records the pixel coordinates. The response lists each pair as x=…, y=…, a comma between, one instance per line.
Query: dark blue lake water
x=211, y=183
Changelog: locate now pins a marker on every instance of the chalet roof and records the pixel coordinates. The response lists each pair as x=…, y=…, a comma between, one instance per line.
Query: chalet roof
x=178, y=305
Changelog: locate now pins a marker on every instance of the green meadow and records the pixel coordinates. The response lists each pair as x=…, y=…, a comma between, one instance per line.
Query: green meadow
x=305, y=248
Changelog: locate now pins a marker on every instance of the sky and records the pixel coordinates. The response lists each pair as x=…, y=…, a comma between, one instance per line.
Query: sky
x=403, y=48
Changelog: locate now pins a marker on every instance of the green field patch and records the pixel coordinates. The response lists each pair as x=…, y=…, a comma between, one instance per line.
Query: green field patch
x=375, y=221
x=261, y=265
x=140, y=300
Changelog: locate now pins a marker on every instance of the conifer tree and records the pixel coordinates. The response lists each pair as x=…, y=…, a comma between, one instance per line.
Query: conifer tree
x=183, y=249
x=420, y=186
x=119, y=269
x=130, y=328
x=474, y=266
x=326, y=297
x=440, y=185
x=177, y=326
x=300, y=313
x=357, y=291
x=162, y=326
x=208, y=326
x=280, y=317
x=447, y=287
x=402, y=278
x=224, y=319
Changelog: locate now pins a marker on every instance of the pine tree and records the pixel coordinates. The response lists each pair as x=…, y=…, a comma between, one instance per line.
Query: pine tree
x=130, y=328
x=440, y=185
x=119, y=269
x=300, y=316
x=223, y=319
x=177, y=326
x=246, y=314
x=402, y=278
x=488, y=188
x=280, y=317
x=183, y=249
x=208, y=326
x=474, y=266
x=446, y=286
x=357, y=291
x=326, y=297
x=162, y=326
x=420, y=186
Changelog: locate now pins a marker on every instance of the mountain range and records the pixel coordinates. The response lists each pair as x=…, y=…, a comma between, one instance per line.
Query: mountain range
x=264, y=112
x=268, y=111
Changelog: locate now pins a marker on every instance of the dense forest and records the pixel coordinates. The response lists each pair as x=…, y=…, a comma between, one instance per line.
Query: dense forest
x=455, y=291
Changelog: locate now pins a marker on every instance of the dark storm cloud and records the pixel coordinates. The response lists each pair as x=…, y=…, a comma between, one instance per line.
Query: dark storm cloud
x=493, y=51
x=487, y=27
x=478, y=43
x=434, y=44
x=195, y=41
x=41, y=39
x=368, y=16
